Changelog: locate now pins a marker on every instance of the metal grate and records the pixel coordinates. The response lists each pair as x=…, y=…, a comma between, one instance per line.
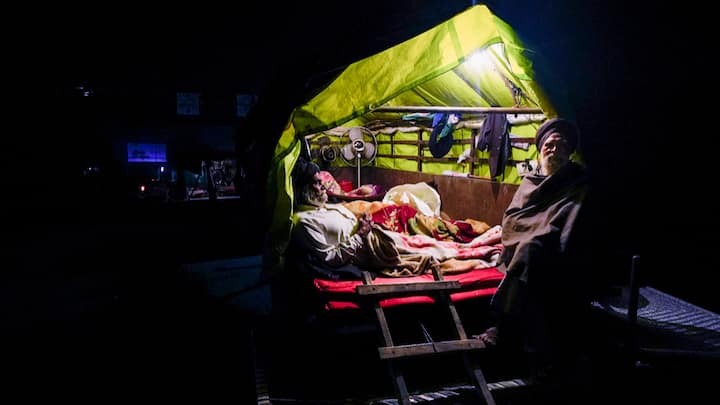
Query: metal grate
x=693, y=327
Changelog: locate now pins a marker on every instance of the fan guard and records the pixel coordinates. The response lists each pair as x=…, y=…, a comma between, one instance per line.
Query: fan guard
x=358, y=147
x=323, y=149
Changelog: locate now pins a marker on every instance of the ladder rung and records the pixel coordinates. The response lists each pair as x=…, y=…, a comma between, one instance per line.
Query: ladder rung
x=395, y=352
x=397, y=290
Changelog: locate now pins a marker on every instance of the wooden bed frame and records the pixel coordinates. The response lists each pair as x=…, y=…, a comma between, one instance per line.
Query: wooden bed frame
x=462, y=197
x=391, y=352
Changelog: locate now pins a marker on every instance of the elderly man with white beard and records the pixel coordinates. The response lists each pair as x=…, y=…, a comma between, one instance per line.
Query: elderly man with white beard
x=540, y=304
x=330, y=235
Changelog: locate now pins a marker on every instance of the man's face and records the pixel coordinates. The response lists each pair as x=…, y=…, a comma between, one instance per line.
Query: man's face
x=555, y=151
x=315, y=193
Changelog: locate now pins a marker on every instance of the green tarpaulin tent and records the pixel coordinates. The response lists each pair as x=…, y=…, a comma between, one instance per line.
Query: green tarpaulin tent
x=473, y=60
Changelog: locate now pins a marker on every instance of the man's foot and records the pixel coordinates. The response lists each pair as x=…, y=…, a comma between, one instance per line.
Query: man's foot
x=489, y=337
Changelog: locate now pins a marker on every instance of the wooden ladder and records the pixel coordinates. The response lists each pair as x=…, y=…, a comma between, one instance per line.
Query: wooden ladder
x=440, y=289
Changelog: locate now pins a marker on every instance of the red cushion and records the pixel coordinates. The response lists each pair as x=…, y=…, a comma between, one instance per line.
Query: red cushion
x=475, y=283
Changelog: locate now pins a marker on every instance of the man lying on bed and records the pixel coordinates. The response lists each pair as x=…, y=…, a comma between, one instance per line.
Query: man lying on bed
x=331, y=241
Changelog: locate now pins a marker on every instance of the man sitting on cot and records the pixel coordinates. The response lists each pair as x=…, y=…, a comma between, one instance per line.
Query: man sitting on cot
x=540, y=304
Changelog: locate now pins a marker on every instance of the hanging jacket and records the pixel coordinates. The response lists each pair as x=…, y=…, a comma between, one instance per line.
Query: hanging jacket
x=495, y=137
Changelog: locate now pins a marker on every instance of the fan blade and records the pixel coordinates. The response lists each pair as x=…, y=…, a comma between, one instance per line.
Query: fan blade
x=348, y=152
x=369, y=150
x=355, y=134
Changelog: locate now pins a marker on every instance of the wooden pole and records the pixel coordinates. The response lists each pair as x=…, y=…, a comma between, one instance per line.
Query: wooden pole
x=462, y=110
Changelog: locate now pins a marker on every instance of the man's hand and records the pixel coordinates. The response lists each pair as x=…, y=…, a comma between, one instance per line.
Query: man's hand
x=364, y=224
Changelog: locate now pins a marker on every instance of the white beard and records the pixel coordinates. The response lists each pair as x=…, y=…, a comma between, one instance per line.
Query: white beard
x=313, y=197
x=551, y=164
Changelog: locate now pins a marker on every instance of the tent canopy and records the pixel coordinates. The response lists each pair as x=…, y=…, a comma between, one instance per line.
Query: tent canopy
x=473, y=60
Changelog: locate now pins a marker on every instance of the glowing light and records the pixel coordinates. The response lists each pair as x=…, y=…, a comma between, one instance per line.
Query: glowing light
x=479, y=60
x=142, y=188
x=485, y=59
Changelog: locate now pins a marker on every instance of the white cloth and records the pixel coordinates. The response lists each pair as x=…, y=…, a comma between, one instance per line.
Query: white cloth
x=327, y=233
x=420, y=196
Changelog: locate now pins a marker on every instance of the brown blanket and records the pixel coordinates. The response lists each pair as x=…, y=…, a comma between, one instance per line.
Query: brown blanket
x=537, y=227
x=395, y=254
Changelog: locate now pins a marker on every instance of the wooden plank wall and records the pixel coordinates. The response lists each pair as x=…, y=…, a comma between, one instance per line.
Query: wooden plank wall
x=461, y=197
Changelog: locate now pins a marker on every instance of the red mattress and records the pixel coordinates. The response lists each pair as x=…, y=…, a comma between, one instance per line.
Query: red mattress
x=475, y=283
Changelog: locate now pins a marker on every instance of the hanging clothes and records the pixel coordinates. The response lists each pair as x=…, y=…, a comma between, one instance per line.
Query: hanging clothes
x=441, y=139
x=495, y=137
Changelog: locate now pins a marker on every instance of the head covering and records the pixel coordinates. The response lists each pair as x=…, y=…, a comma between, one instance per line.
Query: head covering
x=565, y=128
x=304, y=172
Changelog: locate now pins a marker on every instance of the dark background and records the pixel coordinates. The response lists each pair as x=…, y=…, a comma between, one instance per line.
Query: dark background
x=630, y=75
x=635, y=77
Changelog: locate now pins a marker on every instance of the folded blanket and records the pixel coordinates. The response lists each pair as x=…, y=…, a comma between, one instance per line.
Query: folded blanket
x=394, y=254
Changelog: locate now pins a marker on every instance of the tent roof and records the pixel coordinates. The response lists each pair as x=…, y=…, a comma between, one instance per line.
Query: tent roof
x=443, y=66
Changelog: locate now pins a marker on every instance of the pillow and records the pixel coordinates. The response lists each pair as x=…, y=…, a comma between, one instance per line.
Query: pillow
x=420, y=196
x=330, y=184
